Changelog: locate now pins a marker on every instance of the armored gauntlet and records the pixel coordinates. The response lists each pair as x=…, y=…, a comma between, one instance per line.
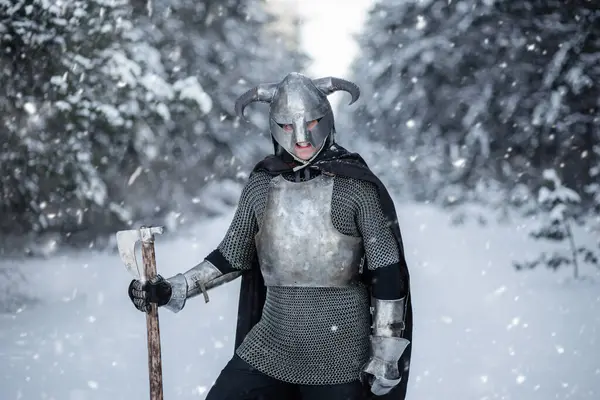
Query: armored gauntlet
x=199, y=279
x=387, y=345
x=142, y=294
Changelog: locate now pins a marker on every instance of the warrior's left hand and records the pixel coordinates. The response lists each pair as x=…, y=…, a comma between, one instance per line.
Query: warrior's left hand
x=380, y=376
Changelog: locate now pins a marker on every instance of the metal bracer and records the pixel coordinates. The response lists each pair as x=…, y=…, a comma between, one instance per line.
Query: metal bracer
x=387, y=344
x=199, y=279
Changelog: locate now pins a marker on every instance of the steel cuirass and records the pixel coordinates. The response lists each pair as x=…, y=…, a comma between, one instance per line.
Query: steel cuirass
x=297, y=243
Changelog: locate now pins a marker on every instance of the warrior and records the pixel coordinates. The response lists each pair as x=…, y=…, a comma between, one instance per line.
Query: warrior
x=325, y=308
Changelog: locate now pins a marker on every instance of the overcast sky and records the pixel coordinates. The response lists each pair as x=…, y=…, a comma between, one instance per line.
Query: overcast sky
x=327, y=34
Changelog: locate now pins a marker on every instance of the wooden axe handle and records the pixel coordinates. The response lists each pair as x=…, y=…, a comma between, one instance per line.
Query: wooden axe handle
x=154, y=357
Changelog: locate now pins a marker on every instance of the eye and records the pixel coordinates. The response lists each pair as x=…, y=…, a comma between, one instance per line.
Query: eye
x=286, y=127
x=310, y=125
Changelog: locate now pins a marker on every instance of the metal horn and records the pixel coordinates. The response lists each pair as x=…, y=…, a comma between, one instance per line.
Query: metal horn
x=263, y=93
x=330, y=84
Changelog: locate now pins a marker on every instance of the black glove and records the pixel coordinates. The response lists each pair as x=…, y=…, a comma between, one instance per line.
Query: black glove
x=156, y=290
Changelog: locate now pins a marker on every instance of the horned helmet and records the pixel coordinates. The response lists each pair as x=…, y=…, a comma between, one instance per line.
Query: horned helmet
x=295, y=102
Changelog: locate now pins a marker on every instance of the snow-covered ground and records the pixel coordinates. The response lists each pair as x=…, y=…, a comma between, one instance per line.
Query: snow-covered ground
x=482, y=330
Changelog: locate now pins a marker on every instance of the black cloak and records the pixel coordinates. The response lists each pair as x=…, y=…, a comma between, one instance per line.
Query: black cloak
x=338, y=161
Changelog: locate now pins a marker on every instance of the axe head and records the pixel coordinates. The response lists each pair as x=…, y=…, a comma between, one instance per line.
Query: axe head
x=126, y=241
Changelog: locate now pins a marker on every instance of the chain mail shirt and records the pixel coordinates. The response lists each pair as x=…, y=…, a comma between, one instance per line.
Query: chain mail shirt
x=312, y=335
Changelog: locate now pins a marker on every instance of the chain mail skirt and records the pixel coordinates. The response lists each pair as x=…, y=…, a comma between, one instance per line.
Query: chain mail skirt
x=311, y=335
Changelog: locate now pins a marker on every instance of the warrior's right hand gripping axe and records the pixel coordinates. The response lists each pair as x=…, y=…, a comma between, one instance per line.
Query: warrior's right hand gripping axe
x=126, y=241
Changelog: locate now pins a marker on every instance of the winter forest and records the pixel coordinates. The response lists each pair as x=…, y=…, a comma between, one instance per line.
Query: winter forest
x=482, y=118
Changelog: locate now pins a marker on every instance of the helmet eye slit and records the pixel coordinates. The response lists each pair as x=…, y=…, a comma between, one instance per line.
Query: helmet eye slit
x=313, y=123
x=286, y=127
x=290, y=127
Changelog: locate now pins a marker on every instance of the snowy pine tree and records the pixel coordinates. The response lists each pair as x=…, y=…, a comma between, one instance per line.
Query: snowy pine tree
x=593, y=190
x=557, y=220
x=477, y=93
x=71, y=96
x=215, y=50
x=113, y=116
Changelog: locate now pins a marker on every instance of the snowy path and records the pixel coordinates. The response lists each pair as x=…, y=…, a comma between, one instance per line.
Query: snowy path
x=482, y=331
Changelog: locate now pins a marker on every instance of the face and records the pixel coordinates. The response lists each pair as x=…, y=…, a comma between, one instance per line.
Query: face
x=303, y=150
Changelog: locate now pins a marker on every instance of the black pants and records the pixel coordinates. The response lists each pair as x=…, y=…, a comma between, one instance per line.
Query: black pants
x=240, y=381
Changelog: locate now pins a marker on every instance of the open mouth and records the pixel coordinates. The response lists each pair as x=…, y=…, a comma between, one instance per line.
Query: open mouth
x=304, y=150
x=303, y=146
